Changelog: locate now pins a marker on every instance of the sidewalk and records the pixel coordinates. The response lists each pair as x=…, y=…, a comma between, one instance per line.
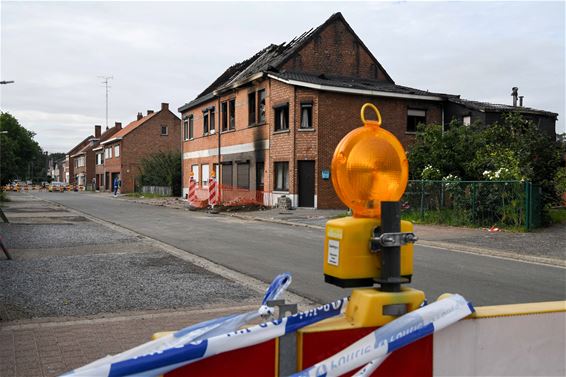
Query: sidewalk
x=547, y=246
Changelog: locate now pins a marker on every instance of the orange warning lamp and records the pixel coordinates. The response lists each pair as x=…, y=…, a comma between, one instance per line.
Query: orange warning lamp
x=369, y=166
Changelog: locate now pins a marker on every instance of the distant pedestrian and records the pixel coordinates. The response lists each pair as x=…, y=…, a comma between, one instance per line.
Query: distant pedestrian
x=116, y=185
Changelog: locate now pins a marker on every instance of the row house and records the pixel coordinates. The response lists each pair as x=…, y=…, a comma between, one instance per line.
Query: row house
x=84, y=160
x=72, y=163
x=269, y=125
x=120, y=155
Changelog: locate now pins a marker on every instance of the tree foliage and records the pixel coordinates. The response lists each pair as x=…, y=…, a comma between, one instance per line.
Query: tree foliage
x=21, y=157
x=513, y=149
x=162, y=169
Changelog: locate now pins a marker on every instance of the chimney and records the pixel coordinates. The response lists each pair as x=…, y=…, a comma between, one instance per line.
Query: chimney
x=164, y=106
x=521, y=101
x=149, y=112
x=515, y=94
x=118, y=125
x=140, y=115
x=97, y=131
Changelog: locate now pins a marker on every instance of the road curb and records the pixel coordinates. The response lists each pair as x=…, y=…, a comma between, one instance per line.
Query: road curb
x=502, y=254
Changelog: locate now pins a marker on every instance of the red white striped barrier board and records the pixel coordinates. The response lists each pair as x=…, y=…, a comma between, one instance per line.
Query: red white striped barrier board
x=192, y=190
x=212, y=191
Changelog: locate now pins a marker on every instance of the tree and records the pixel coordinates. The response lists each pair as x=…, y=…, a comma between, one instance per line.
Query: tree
x=513, y=149
x=162, y=169
x=20, y=156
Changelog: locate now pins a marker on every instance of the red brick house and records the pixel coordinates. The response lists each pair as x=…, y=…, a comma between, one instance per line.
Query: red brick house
x=149, y=134
x=74, y=162
x=272, y=121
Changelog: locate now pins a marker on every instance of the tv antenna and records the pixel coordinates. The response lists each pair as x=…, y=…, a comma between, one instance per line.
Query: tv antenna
x=106, y=81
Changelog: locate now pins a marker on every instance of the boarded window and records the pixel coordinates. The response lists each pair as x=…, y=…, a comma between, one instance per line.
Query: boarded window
x=244, y=175
x=227, y=174
x=281, y=170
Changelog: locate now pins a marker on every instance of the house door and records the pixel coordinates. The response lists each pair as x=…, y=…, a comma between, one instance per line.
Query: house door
x=306, y=183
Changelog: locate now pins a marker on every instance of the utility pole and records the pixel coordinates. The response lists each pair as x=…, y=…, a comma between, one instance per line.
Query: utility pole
x=106, y=81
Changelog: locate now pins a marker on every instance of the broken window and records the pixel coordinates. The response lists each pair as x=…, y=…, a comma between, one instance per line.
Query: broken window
x=282, y=117
x=205, y=123
x=251, y=108
x=224, y=115
x=191, y=129
x=232, y=115
x=261, y=106
x=414, y=118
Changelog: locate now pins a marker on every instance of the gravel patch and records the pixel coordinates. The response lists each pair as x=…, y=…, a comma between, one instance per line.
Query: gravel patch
x=26, y=236
x=89, y=285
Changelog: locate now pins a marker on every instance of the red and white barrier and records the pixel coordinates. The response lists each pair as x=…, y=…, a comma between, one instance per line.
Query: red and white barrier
x=192, y=190
x=212, y=191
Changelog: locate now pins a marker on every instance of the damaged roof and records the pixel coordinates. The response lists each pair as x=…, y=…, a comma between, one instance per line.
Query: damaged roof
x=496, y=107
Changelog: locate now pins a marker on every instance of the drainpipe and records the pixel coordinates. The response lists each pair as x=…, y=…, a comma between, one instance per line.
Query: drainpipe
x=219, y=129
x=295, y=181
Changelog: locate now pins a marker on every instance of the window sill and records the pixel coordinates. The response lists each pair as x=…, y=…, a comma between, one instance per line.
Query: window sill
x=281, y=131
x=279, y=192
x=256, y=124
x=228, y=131
x=410, y=132
x=306, y=129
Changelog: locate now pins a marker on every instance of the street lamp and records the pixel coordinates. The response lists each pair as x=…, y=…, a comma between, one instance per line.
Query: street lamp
x=7, y=82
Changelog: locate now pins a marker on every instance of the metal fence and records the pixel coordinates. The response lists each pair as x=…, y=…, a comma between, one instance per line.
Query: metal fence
x=476, y=203
x=159, y=190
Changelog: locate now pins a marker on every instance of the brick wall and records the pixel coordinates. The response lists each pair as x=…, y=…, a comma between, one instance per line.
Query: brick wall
x=335, y=51
x=144, y=141
x=339, y=114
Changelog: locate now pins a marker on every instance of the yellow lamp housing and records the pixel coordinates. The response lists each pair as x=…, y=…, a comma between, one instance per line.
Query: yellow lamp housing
x=348, y=259
x=369, y=166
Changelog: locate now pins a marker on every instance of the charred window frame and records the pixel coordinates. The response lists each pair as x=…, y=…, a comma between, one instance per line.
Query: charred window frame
x=414, y=118
x=224, y=115
x=232, y=114
x=252, y=109
x=281, y=117
x=261, y=106
x=306, y=115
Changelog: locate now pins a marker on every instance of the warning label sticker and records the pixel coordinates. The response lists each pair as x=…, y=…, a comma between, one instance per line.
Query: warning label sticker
x=333, y=252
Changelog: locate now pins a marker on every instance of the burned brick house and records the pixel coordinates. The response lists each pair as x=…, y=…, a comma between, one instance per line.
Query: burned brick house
x=268, y=126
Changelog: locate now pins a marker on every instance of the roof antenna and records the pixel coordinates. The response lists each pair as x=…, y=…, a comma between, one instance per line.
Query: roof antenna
x=106, y=80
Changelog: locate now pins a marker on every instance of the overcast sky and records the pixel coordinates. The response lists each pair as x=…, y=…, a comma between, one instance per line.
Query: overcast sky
x=169, y=52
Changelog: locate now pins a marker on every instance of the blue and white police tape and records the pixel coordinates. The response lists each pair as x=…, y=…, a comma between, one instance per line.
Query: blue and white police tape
x=173, y=358
x=396, y=334
x=200, y=331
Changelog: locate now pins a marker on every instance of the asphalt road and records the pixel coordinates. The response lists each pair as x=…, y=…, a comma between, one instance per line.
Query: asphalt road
x=263, y=250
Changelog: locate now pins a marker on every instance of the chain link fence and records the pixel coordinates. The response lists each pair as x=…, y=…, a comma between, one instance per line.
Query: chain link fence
x=513, y=204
